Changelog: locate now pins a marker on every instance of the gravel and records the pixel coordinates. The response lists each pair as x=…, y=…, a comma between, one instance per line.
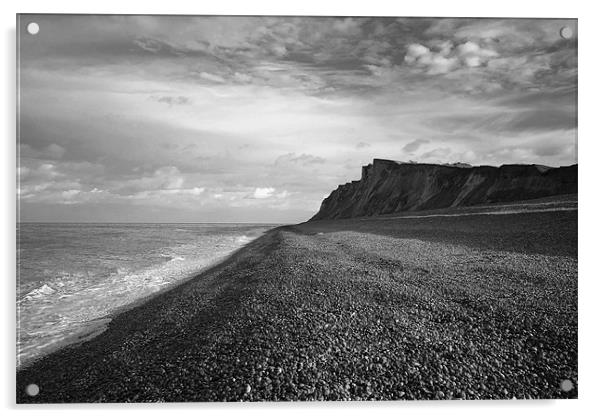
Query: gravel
x=444, y=308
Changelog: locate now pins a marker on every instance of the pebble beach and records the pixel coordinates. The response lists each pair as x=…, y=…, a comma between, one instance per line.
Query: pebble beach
x=472, y=307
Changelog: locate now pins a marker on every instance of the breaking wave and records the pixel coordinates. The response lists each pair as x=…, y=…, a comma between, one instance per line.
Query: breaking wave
x=67, y=304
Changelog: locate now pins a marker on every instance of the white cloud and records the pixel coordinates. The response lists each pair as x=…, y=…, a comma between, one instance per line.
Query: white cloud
x=441, y=65
x=467, y=48
x=279, y=50
x=196, y=191
x=416, y=51
x=447, y=58
x=68, y=194
x=263, y=192
x=433, y=62
x=473, y=55
x=211, y=77
x=242, y=78
x=165, y=178
x=472, y=61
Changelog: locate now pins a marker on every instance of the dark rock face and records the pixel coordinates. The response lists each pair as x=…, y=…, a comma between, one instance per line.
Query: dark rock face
x=390, y=187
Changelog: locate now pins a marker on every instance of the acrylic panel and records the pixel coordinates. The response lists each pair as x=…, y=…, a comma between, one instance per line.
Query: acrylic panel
x=290, y=208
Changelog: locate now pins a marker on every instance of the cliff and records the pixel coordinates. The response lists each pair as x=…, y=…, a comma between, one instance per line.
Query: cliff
x=390, y=187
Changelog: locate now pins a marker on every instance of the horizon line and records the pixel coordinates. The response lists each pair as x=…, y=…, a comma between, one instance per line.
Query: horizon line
x=134, y=222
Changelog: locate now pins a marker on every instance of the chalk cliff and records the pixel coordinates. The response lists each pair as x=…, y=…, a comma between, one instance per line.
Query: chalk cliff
x=390, y=187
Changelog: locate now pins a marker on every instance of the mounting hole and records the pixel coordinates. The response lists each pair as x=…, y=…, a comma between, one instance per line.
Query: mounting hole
x=33, y=28
x=566, y=32
x=566, y=385
x=32, y=389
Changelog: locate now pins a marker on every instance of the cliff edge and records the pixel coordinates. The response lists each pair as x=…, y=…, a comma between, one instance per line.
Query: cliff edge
x=390, y=186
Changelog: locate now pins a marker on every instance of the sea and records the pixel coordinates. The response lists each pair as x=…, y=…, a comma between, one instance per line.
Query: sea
x=72, y=277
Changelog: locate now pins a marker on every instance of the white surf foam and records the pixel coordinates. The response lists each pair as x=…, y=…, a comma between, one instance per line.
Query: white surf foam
x=39, y=292
x=70, y=304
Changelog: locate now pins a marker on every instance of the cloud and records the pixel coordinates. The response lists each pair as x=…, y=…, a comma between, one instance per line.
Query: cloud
x=211, y=77
x=302, y=159
x=278, y=50
x=447, y=57
x=414, y=145
x=468, y=48
x=415, y=52
x=150, y=45
x=437, y=154
x=348, y=26
x=51, y=152
x=435, y=63
x=534, y=118
x=45, y=181
x=263, y=192
x=187, y=115
x=172, y=100
x=473, y=55
x=164, y=178
x=242, y=77
x=70, y=194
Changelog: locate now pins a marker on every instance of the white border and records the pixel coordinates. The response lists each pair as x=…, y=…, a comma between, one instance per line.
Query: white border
x=468, y=8
x=590, y=278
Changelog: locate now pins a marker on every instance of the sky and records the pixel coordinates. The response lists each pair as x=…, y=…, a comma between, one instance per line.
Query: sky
x=258, y=119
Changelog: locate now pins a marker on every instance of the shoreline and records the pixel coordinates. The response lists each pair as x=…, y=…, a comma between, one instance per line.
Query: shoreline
x=96, y=326
x=345, y=310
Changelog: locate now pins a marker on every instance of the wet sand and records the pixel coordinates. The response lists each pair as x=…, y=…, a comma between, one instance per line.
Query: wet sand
x=468, y=307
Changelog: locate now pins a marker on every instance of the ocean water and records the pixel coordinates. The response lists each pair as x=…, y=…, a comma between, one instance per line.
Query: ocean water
x=71, y=276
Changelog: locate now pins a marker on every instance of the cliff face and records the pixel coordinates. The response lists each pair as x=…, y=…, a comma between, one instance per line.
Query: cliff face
x=391, y=187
